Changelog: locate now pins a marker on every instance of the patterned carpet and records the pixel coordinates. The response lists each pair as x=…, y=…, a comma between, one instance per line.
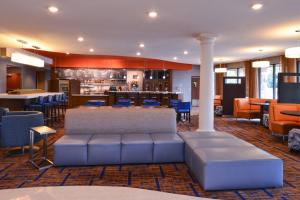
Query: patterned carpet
x=15, y=172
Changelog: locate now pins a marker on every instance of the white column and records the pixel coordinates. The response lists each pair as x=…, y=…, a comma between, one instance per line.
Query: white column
x=207, y=84
x=3, y=74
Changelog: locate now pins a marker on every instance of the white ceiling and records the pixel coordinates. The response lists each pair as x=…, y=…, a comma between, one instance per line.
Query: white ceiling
x=116, y=27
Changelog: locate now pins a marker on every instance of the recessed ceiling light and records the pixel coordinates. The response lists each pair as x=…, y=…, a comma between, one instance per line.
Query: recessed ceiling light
x=53, y=9
x=175, y=58
x=185, y=52
x=138, y=53
x=80, y=39
x=68, y=53
x=91, y=50
x=152, y=14
x=142, y=45
x=257, y=6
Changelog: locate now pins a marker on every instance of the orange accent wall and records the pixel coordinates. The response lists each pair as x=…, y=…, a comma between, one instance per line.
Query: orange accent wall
x=112, y=62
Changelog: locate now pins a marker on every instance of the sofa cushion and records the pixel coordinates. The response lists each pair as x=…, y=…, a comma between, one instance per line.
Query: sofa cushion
x=71, y=150
x=237, y=168
x=192, y=144
x=120, y=121
x=216, y=134
x=136, y=148
x=283, y=127
x=104, y=150
x=167, y=148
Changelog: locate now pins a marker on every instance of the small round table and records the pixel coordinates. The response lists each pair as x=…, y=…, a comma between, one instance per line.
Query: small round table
x=291, y=113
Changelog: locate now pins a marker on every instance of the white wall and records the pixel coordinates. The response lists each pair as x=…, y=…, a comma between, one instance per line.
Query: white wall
x=28, y=78
x=3, y=73
x=181, y=82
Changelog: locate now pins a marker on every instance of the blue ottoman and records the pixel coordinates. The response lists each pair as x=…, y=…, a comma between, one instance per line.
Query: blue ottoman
x=104, y=150
x=71, y=150
x=167, y=148
x=136, y=148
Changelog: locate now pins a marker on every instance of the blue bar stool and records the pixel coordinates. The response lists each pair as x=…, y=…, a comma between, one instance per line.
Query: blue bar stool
x=63, y=102
x=95, y=103
x=185, y=109
x=151, y=102
x=173, y=103
x=41, y=104
x=123, y=103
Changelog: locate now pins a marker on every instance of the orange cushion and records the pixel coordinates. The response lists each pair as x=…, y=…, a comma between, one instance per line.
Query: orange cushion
x=243, y=104
x=283, y=127
x=280, y=117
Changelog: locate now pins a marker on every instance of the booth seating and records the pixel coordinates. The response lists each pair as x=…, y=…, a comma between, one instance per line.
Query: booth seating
x=221, y=161
x=243, y=108
x=280, y=124
x=119, y=136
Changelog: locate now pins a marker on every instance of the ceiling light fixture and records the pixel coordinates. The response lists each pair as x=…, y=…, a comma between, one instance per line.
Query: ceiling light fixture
x=53, y=9
x=68, y=53
x=27, y=59
x=175, y=58
x=141, y=45
x=293, y=52
x=257, y=6
x=185, y=52
x=91, y=50
x=138, y=53
x=80, y=39
x=152, y=14
x=261, y=63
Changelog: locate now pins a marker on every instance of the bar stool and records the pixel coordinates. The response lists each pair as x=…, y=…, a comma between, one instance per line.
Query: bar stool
x=185, y=109
x=95, y=103
x=63, y=102
x=151, y=102
x=41, y=104
x=173, y=103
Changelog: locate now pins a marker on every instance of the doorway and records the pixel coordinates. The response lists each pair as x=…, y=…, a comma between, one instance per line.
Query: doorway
x=195, y=90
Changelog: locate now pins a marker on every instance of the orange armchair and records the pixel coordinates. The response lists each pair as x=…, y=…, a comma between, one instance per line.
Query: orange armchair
x=280, y=124
x=242, y=108
x=217, y=100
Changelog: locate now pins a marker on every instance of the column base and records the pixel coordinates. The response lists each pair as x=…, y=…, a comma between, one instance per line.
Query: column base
x=202, y=130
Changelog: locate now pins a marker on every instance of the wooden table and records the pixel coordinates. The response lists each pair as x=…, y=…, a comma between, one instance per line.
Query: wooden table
x=262, y=108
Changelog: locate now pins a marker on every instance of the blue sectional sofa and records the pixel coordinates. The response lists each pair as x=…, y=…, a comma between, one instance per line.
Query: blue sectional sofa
x=119, y=136
x=219, y=160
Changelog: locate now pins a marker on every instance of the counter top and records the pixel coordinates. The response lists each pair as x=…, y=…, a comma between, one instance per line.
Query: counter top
x=26, y=96
x=89, y=95
x=158, y=92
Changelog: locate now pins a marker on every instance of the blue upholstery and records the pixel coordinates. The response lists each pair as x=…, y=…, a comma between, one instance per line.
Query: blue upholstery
x=96, y=103
x=151, y=102
x=71, y=150
x=167, y=148
x=122, y=103
x=237, y=168
x=173, y=103
x=104, y=149
x=183, y=107
x=136, y=148
x=3, y=112
x=16, y=125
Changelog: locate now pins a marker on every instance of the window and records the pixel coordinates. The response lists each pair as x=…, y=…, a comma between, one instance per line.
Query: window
x=268, y=81
x=234, y=72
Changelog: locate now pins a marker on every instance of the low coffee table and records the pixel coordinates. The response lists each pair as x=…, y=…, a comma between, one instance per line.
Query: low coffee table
x=43, y=131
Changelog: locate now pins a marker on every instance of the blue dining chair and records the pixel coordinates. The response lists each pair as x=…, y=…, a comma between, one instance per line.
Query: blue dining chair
x=185, y=109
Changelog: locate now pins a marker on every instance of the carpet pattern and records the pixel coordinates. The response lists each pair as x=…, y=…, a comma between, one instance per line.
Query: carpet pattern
x=15, y=172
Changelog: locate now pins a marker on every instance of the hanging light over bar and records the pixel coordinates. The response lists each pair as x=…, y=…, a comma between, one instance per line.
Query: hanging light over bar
x=26, y=59
x=261, y=64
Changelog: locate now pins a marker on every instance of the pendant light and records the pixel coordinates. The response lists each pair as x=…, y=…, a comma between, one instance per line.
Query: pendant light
x=261, y=63
x=220, y=69
x=293, y=52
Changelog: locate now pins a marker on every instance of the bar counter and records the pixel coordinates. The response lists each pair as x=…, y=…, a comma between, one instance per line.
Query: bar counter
x=16, y=102
x=111, y=97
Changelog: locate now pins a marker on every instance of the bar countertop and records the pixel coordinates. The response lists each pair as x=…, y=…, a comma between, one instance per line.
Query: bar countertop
x=26, y=96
